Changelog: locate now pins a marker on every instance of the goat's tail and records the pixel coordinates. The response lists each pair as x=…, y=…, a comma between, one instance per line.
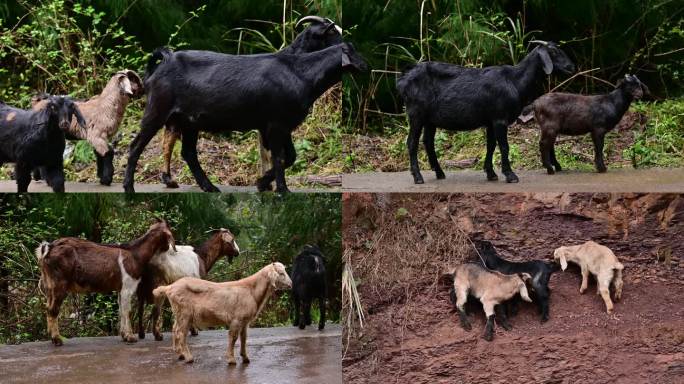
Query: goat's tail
x=42, y=250
x=159, y=291
x=158, y=57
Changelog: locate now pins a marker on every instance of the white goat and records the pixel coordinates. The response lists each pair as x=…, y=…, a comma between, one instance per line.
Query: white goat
x=600, y=261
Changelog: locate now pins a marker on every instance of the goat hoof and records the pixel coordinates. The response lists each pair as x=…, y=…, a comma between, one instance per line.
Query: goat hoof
x=488, y=336
x=210, y=188
x=283, y=190
x=232, y=361
x=466, y=326
x=141, y=335
x=130, y=339
x=181, y=357
x=245, y=360
x=550, y=171
x=302, y=326
x=602, y=169
x=440, y=174
x=491, y=176
x=57, y=341
x=511, y=177
x=106, y=182
x=264, y=185
x=558, y=168
x=506, y=326
x=418, y=179
x=159, y=337
x=321, y=327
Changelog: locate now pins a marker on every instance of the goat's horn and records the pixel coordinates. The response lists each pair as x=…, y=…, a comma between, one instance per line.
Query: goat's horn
x=542, y=42
x=315, y=19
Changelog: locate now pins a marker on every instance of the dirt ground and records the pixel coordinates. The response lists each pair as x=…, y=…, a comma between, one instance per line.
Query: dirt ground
x=412, y=334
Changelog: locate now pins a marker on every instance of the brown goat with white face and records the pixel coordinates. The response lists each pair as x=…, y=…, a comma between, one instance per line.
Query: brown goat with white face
x=600, y=261
x=103, y=114
x=235, y=304
x=75, y=265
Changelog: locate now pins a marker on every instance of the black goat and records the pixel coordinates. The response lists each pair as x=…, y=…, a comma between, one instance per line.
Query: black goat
x=272, y=93
x=35, y=139
x=308, y=283
x=539, y=271
x=571, y=114
x=462, y=99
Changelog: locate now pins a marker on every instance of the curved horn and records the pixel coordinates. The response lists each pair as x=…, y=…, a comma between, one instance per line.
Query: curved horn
x=542, y=42
x=315, y=19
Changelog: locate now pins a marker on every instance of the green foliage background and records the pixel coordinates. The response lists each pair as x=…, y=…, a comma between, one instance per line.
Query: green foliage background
x=268, y=227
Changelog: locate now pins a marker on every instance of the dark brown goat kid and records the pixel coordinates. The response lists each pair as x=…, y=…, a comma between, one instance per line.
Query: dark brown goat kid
x=75, y=265
x=571, y=114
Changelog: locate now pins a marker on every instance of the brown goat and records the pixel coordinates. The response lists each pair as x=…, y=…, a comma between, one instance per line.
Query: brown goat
x=103, y=114
x=186, y=261
x=75, y=265
x=235, y=304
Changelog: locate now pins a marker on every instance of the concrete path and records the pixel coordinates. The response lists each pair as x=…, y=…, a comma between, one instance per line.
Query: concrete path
x=615, y=180
x=278, y=355
x=10, y=186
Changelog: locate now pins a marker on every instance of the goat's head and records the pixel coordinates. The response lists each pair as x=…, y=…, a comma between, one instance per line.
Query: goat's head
x=351, y=60
x=560, y=256
x=228, y=245
x=277, y=276
x=129, y=83
x=62, y=108
x=161, y=227
x=633, y=86
x=553, y=58
x=320, y=34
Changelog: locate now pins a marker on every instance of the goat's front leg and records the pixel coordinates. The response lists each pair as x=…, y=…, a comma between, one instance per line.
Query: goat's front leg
x=243, y=345
x=189, y=153
x=461, y=298
x=545, y=148
x=297, y=307
x=429, y=142
x=489, y=156
x=597, y=138
x=170, y=138
x=501, y=318
x=157, y=318
x=151, y=123
x=605, y=294
x=125, y=296
x=54, y=176
x=585, y=279
x=415, y=129
x=22, y=171
x=141, y=315
x=501, y=130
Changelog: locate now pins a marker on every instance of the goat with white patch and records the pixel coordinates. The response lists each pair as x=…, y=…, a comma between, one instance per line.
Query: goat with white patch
x=491, y=288
x=234, y=304
x=75, y=265
x=598, y=260
x=185, y=261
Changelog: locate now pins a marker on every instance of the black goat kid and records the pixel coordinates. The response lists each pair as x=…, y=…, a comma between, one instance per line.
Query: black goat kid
x=209, y=91
x=35, y=139
x=463, y=99
x=540, y=272
x=308, y=283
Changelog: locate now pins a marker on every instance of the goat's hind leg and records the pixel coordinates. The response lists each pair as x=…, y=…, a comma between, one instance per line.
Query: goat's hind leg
x=55, y=297
x=233, y=333
x=170, y=138
x=157, y=318
x=546, y=148
x=501, y=318
x=243, y=345
x=501, y=130
x=489, y=157
x=461, y=299
x=429, y=141
x=416, y=127
x=22, y=172
x=489, y=328
x=321, y=308
x=189, y=153
x=554, y=161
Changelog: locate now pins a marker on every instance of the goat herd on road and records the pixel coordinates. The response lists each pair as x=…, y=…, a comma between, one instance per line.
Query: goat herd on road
x=497, y=282
x=273, y=93
x=155, y=268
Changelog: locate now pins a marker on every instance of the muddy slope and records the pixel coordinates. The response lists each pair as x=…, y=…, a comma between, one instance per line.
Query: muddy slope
x=412, y=334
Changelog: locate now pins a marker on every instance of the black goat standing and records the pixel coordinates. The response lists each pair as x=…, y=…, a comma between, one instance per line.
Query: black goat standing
x=457, y=98
x=308, y=283
x=571, y=114
x=540, y=272
x=35, y=139
x=202, y=90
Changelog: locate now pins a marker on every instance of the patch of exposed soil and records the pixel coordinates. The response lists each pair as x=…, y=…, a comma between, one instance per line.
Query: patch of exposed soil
x=413, y=334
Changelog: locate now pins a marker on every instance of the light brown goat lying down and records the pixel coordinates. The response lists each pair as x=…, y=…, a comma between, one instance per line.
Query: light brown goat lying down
x=200, y=303
x=600, y=261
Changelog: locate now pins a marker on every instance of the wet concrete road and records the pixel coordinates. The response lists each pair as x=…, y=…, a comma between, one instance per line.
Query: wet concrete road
x=278, y=355
x=615, y=180
x=10, y=186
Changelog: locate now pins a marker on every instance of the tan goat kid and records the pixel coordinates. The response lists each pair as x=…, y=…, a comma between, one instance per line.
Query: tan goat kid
x=600, y=261
x=235, y=304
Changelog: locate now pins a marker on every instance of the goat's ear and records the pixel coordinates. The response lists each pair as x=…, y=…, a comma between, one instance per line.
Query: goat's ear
x=563, y=261
x=345, y=60
x=125, y=85
x=525, y=276
x=546, y=60
x=79, y=117
x=273, y=276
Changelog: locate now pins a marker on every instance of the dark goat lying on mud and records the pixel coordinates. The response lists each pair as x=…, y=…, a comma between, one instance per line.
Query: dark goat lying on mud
x=463, y=99
x=308, y=283
x=35, y=139
x=320, y=34
x=571, y=114
x=273, y=93
x=491, y=288
x=75, y=265
x=540, y=272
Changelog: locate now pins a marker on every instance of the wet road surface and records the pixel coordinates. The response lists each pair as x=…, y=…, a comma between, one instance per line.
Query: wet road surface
x=278, y=355
x=10, y=186
x=615, y=180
